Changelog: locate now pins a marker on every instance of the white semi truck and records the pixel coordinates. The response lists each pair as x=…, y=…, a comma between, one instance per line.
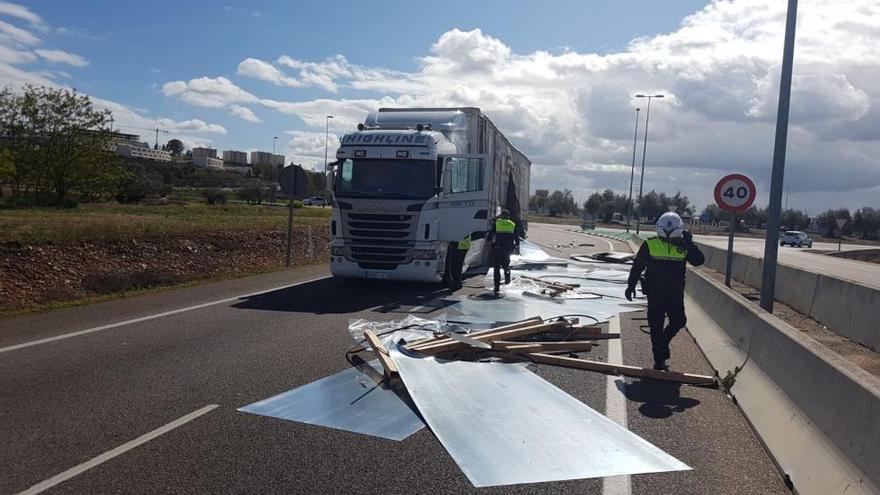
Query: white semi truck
x=412, y=182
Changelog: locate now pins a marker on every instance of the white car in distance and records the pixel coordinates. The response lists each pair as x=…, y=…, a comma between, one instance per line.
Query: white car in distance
x=796, y=238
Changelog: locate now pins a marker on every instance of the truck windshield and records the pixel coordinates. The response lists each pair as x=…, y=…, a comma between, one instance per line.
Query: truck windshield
x=377, y=178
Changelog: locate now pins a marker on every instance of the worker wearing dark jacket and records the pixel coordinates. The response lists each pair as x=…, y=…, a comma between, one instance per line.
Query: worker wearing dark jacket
x=503, y=237
x=663, y=260
x=457, y=253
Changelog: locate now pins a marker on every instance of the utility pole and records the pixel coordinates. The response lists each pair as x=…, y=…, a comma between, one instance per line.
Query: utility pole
x=632, y=170
x=326, y=140
x=771, y=248
x=644, y=153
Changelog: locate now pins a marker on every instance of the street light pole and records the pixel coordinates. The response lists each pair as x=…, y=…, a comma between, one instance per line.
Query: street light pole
x=771, y=248
x=326, y=139
x=644, y=153
x=632, y=171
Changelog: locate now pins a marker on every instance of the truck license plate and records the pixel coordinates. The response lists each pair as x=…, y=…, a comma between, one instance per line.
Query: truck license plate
x=378, y=275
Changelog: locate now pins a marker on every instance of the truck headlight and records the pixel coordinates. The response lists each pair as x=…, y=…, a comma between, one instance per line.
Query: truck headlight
x=425, y=254
x=337, y=251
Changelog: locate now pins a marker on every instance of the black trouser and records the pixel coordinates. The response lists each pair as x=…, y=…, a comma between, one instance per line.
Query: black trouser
x=661, y=304
x=456, y=262
x=501, y=259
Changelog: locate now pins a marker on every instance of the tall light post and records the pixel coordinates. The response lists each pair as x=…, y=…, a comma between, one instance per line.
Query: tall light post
x=632, y=171
x=768, y=273
x=326, y=140
x=644, y=152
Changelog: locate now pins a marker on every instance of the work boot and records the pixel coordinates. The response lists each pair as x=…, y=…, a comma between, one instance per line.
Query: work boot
x=660, y=365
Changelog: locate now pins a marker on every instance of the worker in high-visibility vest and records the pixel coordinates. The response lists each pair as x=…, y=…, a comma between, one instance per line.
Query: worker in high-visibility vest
x=457, y=253
x=663, y=259
x=503, y=238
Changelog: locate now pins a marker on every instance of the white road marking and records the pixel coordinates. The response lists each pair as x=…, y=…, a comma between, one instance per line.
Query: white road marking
x=147, y=318
x=615, y=408
x=110, y=454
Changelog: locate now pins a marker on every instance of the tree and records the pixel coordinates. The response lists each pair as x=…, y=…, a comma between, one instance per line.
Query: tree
x=828, y=220
x=59, y=143
x=866, y=220
x=561, y=203
x=176, y=147
x=538, y=202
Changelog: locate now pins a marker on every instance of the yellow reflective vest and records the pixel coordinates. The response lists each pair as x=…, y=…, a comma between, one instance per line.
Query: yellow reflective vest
x=505, y=226
x=659, y=249
x=465, y=243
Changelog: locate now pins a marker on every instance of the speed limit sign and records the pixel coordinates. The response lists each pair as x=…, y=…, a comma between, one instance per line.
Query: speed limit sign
x=735, y=193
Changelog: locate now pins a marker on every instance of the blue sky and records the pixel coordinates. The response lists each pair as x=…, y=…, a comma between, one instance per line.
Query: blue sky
x=557, y=77
x=133, y=48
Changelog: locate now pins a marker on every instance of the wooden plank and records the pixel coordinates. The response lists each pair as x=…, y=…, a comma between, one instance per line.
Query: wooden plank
x=622, y=369
x=578, y=332
x=565, y=346
x=556, y=285
x=382, y=354
x=414, y=346
x=491, y=337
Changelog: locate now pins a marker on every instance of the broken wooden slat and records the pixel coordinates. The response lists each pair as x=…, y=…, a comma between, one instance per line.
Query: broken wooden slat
x=493, y=336
x=565, y=346
x=414, y=346
x=381, y=353
x=555, y=285
x=622, y=369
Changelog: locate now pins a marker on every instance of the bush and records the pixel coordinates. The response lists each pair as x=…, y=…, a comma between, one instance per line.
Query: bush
x=253, y=195
x=215, y=196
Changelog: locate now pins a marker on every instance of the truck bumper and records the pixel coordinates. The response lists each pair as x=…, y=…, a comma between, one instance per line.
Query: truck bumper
x=426, y=271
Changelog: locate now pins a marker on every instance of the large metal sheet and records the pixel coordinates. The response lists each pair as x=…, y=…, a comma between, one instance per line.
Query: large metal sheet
x=349, y=400
x=505, y=425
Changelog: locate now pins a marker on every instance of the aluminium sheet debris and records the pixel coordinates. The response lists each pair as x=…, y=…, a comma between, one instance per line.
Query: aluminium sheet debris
x=504, y=425
x=350, y=400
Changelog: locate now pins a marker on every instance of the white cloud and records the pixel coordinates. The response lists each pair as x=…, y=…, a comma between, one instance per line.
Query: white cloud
x=62, y=57
x=572, y=113
x=244, y=113
x=193, y=125
x=213, y=92
x=19, y=11
x=14, y=34
x=308, y=148
x=265, y=71
x=15, y=57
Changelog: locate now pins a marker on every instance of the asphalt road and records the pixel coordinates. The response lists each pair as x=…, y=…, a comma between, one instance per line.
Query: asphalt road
x=858, y=271
x=80, y=382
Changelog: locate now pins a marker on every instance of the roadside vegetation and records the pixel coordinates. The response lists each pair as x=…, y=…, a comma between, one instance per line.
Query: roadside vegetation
x=111, y=221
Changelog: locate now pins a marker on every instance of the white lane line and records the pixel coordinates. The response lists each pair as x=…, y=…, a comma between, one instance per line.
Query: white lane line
x=110, y=454
x=615, y=408
x=147, y=318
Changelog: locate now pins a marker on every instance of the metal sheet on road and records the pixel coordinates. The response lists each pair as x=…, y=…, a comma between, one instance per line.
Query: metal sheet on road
x=505, y=425
x=349, y=400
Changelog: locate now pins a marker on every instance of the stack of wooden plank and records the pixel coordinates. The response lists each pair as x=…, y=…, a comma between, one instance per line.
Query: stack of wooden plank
x=536, y=340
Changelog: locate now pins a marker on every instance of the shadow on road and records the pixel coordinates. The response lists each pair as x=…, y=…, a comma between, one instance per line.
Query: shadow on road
x=659, y=399
x=339, y=296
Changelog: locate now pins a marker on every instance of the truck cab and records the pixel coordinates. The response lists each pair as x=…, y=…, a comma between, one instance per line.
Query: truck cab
x=404, y=189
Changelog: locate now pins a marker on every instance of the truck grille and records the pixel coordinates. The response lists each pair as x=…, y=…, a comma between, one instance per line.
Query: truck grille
x=379, y=241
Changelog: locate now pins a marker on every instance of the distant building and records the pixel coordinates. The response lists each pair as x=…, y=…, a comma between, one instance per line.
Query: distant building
x=200, y=157
x=235, y=158
x=239, y=169
x=266, y=158
x=144, y=152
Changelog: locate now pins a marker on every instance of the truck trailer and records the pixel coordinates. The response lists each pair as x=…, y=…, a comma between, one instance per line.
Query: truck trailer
x=412, y=182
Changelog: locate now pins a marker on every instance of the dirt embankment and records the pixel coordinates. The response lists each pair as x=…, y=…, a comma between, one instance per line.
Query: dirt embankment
x=48, y=273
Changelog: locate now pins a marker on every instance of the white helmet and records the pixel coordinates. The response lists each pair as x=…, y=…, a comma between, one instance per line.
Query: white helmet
x=669, y=226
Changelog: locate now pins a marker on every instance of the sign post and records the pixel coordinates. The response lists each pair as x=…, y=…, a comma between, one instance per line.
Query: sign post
x=841, y=222
x=734, y=193
x=292, y=180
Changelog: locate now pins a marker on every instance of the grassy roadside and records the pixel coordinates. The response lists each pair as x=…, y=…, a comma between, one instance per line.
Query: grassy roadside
x=39, y=308
x=112, y=221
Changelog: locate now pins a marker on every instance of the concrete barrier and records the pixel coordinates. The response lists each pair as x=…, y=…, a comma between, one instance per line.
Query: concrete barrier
x=848, y=308
x=816, y=413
